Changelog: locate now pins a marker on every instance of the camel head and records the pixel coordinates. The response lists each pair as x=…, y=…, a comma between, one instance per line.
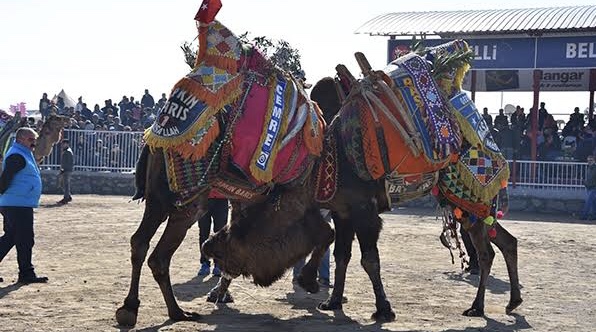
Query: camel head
x=50, y=134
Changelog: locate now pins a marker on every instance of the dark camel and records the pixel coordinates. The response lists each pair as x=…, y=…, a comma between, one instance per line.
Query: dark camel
x=355, y=210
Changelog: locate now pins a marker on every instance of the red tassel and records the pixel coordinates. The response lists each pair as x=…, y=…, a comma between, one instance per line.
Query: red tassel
x=492, y=233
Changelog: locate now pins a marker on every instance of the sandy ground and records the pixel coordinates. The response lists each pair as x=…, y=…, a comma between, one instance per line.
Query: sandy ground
x=83, y=248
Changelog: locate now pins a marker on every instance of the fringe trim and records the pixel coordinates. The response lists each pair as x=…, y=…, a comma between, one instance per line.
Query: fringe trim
x=156, y=141
x=488, y=192
x=169, y=161
x=313, y=137
x=225, y=95
x=478, y=209
x=215, y=60
x=203, y=30
x=197, y=151
x=267, y=174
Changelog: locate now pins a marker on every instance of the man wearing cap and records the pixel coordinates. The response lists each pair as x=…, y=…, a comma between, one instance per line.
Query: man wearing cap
x=20, y=191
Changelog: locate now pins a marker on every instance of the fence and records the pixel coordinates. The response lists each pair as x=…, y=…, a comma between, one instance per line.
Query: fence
x=552, y=175
x=99, y=151
x=112, y=151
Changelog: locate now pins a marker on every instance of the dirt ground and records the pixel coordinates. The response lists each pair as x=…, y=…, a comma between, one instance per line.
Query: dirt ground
x=83, y=248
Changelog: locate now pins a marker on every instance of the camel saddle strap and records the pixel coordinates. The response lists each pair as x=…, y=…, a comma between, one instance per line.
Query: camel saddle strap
x=327, y=171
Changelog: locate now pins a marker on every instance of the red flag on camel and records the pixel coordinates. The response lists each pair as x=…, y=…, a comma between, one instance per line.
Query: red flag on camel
x=208, y=10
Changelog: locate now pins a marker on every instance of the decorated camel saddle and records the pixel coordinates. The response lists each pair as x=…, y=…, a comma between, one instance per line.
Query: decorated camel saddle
x=411, y=125
x=235, y=122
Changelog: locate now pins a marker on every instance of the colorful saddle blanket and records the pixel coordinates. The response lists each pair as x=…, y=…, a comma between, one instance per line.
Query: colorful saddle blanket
x=406, y=128
x=417, y=89
x=481, y=171
x=403, y=188
x=272, y=128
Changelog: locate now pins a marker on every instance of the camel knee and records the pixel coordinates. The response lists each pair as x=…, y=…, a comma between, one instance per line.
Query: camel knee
x=138, y=249
x=159, y=266
x=370, y=261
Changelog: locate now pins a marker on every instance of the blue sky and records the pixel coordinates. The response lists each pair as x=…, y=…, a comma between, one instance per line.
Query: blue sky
x=110, y=48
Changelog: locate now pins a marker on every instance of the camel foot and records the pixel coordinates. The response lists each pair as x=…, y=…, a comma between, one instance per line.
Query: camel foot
x=513, y=305
x=385, y=315
x=126, y=316
x=330, y=305
x=311, y=286
x=215, y=297
x=185, y=316
x=473, y=312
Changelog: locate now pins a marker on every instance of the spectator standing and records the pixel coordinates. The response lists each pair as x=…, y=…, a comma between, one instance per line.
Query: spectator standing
x=66, y=168
x=518, y=119
x=20, y=188
x=576, y=118
x=487, y=118
x=501, y=120
x=80, y=105
x=161, y=102
x=589, y=210
x=217, y=213
x=324, y=267
x=147, y=100
x=44, y=106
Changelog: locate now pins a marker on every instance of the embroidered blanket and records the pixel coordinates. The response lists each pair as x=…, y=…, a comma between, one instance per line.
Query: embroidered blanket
x=327, y=171
x=381, y=135
x=415, y=86
x=272, y=130
x=481, y=170
x=277, y=133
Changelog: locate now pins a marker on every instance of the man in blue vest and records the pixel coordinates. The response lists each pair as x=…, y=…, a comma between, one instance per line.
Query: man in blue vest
x=20, y=190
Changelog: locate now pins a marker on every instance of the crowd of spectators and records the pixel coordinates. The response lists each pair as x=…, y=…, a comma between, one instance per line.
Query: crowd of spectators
x=574, y=142
x=126, y=115
x=97, y=141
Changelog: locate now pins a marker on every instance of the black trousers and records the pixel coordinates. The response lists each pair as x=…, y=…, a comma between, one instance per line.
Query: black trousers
x=18, y=232
x=218, y=212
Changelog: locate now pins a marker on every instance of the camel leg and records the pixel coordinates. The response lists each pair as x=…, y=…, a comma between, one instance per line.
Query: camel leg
x=368, y=226
x=159, y=261
x=220, y=293
x=344, y=234
x=507, y=243
x=486, y=254
x=324, y=235
x=153, y=216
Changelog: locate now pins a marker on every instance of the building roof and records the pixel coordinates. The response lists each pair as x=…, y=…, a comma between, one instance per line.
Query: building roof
x=533, y=21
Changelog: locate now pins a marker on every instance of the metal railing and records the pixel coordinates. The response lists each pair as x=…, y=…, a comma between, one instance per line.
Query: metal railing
x=99, y=151
x=556, y=175
x=112, y=151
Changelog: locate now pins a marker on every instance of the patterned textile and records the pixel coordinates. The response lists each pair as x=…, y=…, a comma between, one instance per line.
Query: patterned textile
x=187, y=177
x=403, y=188
x=326, y=176
x=379, y=132
x=268, y=139
x=439, y=131
x=218, y=47
x=481, y=171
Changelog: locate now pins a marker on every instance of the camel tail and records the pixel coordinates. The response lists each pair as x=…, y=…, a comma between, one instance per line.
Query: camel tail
x=141, y=174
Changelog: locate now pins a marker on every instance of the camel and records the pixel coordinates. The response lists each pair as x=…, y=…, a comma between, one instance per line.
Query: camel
x=355, y=210
x=49, y=134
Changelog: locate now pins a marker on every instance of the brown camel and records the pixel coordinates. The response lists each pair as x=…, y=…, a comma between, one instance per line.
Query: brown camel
x=50, y=134
x=238, y=247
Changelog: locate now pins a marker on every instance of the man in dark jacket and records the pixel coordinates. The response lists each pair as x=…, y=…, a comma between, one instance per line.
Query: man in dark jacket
x=66, y=168
x=20, y=191
x=589, y=210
